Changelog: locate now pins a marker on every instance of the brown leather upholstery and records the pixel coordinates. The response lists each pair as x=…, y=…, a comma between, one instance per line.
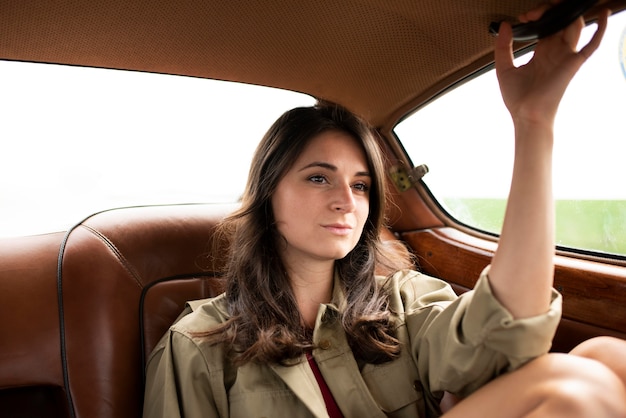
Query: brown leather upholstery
x=31, y=377
x=84, y=327
x=74, y=339
x=125, y=277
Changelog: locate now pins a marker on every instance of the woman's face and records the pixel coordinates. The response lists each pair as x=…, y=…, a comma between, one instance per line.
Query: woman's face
x=322, y=203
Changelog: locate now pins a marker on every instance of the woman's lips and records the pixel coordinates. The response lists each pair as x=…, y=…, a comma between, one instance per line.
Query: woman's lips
x=338, y=229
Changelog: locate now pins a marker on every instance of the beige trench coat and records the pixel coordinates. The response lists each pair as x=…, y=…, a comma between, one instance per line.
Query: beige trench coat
x=449, y=344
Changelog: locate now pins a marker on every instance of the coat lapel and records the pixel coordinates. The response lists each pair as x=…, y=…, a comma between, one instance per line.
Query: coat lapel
x=302, y=383
x=341, y=372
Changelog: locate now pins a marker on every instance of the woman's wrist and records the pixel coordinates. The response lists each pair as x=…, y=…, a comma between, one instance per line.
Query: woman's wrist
x=534, y=129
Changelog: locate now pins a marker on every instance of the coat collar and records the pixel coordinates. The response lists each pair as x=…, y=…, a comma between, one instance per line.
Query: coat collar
x=337, y=364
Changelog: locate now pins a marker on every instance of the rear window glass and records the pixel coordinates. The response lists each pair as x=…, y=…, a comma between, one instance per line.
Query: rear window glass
x=81, y=140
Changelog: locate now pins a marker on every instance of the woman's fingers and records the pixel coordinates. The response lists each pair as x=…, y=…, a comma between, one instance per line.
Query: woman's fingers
x=594, y=43
x=571, y=34
x=503, y=49
x=536, y=13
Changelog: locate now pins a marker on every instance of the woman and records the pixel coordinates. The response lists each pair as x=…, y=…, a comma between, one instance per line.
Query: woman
x=305, y=328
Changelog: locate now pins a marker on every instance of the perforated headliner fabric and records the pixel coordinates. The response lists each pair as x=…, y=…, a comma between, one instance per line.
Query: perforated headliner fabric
x=379, y=58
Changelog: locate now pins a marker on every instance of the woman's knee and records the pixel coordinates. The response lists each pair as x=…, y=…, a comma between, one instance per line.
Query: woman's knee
x=554, y=385
x=599, y=346
x=574, y=386
x=608, y=350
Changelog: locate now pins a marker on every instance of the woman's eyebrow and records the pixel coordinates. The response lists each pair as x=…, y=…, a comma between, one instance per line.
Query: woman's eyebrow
x=332, y=167
x=320, y=164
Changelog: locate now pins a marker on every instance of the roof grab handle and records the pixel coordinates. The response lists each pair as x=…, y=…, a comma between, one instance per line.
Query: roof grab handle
x=552, y=21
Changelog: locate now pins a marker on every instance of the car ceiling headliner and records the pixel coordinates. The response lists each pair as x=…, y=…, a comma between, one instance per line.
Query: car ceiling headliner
x=379, y=58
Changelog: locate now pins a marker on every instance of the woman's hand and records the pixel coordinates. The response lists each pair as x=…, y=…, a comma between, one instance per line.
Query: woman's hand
x=533, y=91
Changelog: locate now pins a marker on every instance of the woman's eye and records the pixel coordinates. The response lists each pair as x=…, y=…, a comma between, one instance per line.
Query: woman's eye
x=362, y=187
x=318, y=179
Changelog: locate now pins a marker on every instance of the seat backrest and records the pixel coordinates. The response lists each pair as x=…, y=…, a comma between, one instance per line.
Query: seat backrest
x=125, y=277
x=94, y=304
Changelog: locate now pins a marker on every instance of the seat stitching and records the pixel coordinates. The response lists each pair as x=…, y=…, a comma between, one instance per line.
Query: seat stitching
x=123, y=261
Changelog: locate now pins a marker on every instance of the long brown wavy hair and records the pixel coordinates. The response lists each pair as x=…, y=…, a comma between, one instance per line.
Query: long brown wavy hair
x=265, y=324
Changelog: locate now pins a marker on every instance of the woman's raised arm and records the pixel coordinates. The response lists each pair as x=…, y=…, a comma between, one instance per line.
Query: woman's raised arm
x=522, y=269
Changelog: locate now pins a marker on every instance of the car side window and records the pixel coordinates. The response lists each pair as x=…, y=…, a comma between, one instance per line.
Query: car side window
x=465, y=138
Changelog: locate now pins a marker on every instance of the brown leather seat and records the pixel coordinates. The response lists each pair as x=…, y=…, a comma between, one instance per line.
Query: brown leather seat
x=87, y=325
x=94, y=305
x=125, y=277
x=84, y=327
x=75, y=333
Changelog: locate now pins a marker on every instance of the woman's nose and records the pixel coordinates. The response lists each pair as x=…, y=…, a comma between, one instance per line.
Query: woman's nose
x=344, y=199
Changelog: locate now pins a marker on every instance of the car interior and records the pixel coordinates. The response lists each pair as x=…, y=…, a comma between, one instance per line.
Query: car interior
x=83, y=307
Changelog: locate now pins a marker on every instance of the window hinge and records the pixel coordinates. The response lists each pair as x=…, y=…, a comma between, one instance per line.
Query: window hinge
x=405, y=178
